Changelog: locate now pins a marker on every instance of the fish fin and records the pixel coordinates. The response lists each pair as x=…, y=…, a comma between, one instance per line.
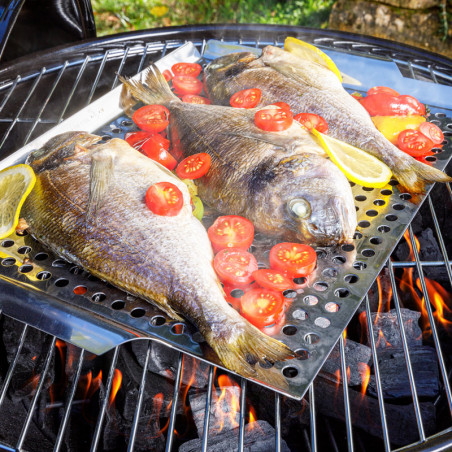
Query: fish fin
x=101, y=175
x=242, y=349
x=415, y=175
x=155, y=91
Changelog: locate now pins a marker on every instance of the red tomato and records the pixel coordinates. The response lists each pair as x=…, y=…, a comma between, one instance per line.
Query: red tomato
x=184, y=84
x=262, y=307
x=156, y=148
x=294, y=258
x=432, y=131
x=414, y=143
x=273, y=279
x=194, y=166
x=273, y=119
x=282, y=105
x=231, y=231
x=383, y=104
x=195, y=99
x=312, y=121
x=235, y=266
x=152, y=118
x=190, y=69
x=247, y=98
x=137, y=139
x=382, y=89
x=167, y=74
x=164, y=198
x=234, y=294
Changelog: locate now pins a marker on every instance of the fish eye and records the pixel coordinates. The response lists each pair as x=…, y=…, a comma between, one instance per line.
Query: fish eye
x=299, y=207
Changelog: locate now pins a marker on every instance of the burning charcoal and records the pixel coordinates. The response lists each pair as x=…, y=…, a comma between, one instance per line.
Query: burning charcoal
x=430, y=252
x=259, y=437
x=164, y=362
x=401, y=419
x=394, y=374
x=224, y=410
x=355, y=356
x=387, y=332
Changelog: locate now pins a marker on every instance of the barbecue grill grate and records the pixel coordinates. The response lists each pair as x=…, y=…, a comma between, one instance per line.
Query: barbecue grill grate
x=15, y=121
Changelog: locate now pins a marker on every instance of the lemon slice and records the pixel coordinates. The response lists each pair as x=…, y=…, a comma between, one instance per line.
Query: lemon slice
x=357, y=165
x=16, y=183
x=312, y=53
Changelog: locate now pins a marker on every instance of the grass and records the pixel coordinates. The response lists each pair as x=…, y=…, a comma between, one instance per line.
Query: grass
x=115, y=16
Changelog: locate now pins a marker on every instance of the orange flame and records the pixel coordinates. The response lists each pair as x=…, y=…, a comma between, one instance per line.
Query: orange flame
x=231, y=400
x=116, y=384
x=381, y=341
x=60, y=345
x=157, y=403
x=363, y=323
x=348, y=374
x=364, y=371
x=34, y=358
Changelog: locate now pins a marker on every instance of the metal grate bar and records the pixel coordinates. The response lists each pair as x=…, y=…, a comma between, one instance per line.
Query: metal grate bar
x=170, y=439
x=205, y=432
x=13, y=365
x=407, y=264
x=74, y=87
x=103, y=410
x=313, y=424
x=417, y=409
x=97, y=79
x=242, y=414
x=331, y=435
x=45, y=102
x=10, y=92
x=432, y=322
x=34, y=401
x=348, y=418
x=70, y=399
x=121, y=66
x=143, y=59
x=381, y=403
x=277, y=422
x=136, y=417
x=32, y=89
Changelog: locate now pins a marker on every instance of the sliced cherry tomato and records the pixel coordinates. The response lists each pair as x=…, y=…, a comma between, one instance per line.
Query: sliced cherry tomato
x=231, y=231
x=273, y=119
x=294, y=258
x=382, y=89
x=195, y=99
x=156, y=149
x=233, y=294
x=184, y=84
x=190, y=69
x=235, y=266
x=383, y=104
x=194, y=166
x=433, y=132
x=312, y=121
x=137, y=139
x=167, y=74
x=273, y=279
x=152, y=118
x=414, y=143
x=282, y=105
x=164, y=198
x=247, y=98
x=262, y=307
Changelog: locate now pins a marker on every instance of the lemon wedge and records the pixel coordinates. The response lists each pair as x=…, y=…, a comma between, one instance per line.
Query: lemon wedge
x=357, y=165
x=16, y=183
x=312, y=53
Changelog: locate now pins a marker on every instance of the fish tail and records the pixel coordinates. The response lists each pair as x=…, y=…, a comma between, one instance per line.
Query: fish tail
x=414, y=175
x=155, y=90
x=241, y=351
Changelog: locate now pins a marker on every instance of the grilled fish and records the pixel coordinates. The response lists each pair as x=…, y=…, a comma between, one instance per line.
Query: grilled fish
x=309, y=87
x=281, y=181
x=88, y=207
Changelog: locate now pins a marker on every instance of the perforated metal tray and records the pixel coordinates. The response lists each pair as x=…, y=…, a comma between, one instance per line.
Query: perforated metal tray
x=42, y=290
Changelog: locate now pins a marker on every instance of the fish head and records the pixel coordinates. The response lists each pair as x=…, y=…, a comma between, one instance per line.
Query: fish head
x=317, y=206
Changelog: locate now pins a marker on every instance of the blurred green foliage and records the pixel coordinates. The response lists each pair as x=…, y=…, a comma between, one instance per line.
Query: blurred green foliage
x=114, y=16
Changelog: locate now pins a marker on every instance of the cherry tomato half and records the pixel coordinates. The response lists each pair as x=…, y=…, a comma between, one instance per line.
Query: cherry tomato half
x=164, y=198
x=231, y=231
x=383, y=104
x=167, y=74
x=156, y=148
x=433, y=132
x=235, y=266
x=414, y=143
x=184, y=84
x=137, y=139
x=273, y=119
x=195, y=99
x=294, y=258
x=283, y=105
x=312, y=121
x=152, y=118
x=194, y=166
x=262, y=307
x=191, y=69
x=273, y=279
x=382, y=89
x=247, y=98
